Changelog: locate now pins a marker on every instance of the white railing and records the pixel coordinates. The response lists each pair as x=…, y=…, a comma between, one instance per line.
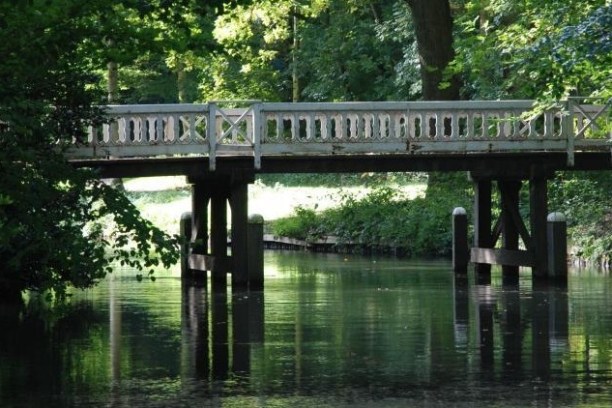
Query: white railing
x=275, y=129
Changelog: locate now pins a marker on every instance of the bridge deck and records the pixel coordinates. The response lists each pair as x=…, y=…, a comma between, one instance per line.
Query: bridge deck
x=359, y=136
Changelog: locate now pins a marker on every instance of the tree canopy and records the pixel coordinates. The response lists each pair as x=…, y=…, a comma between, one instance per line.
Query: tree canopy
x=59, y=226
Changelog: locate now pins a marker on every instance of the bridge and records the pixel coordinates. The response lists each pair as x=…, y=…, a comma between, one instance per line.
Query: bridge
x=220, y=146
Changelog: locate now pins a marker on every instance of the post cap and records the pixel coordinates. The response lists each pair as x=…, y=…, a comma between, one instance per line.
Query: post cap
x=556, y=217
x=459, y=211
x=186, y=216
x=256, y=219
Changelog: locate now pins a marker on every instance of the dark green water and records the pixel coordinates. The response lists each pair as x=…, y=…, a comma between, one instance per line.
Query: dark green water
x=328, y=331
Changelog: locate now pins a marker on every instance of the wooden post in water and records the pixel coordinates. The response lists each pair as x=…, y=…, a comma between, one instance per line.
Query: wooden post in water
x=538, y=196
x=200, y=197
x=198, y=239
x=460, y=244
x=239, y=204
x=255, y=252
x=482, y=225
x=509, y=191
x=557, y=246
x=218, y=238
x=185, y=233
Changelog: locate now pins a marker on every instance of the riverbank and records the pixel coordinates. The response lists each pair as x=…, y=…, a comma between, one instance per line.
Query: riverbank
x=162, y=200
x=380, y=218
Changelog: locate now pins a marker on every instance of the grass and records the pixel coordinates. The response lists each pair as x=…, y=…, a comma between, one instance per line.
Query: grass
x=162, y=200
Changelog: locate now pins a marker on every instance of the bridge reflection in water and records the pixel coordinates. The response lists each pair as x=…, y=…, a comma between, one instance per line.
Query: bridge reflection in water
x=329, y=331
x=519, y=337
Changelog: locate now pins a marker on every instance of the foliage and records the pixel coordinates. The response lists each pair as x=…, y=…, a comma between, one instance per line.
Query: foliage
x=359, y=50
x=303, y=225
x=342, y=179
x=328, y=49
x=585, y=200
x=384, y=220
x=535, y=49
x=51, y=214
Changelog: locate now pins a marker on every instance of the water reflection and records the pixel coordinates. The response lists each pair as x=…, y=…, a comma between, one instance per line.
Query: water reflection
x=330, y=331
x=206, y=330
x=532, y=326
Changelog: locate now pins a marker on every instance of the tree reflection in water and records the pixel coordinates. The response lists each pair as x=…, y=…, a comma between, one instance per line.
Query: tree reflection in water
x=329, y=331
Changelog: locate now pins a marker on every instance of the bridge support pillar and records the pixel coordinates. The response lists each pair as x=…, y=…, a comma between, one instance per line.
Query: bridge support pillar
x=538, y=212
x=218, y=237
x=509, y=221
x=255, y=250
x=510, y=225
x=240, y=217
x=202, y=254
x=482, y=226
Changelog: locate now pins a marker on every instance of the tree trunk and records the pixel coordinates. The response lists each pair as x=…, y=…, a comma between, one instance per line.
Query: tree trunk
x=181, y=81
x=113, y=81
x=295, y=83
x=433, y=25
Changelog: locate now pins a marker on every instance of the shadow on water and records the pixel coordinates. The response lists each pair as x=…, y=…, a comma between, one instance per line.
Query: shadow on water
x=329, y=331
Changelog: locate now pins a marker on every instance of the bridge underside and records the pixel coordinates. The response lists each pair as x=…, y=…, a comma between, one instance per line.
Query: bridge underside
x=489, y=163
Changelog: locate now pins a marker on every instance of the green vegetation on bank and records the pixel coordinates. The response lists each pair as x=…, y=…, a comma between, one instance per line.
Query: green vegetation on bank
x=385, y=221
x=586, y=200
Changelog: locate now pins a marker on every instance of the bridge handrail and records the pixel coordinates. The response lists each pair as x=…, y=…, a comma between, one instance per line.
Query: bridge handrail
x=270, y=128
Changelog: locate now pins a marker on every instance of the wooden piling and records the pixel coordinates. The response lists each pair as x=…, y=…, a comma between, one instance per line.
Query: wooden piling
x=538, y=197
x=185, y=233
x=460, y=243
x=200, y=197
x=482, y=225
x=509, y=191
x=239, y=205
x=556, y=231
x=255, y=252
x=218, y=244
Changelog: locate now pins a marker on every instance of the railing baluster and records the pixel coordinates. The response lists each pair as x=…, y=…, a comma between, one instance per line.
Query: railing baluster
x=117, y=132
x=548, y=124
x=310, y=135
x=363, y=126
x=295, y=127
x=326, y=130
x=159, y=134
x=376, y=125
x=389, y=128
x=454, y=125
x=142, y=128
x=439, y=118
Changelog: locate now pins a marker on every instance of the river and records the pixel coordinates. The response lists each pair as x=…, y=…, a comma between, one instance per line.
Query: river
x=330, y=330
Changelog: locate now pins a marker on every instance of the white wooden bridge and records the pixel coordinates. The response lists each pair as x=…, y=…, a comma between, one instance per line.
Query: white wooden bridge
x=220, y=148
x=262, y=129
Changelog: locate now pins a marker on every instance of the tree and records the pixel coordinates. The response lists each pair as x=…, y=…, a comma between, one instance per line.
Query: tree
x=433, y=25
x=535, y=49
x=58, y=226
x=326, y=50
